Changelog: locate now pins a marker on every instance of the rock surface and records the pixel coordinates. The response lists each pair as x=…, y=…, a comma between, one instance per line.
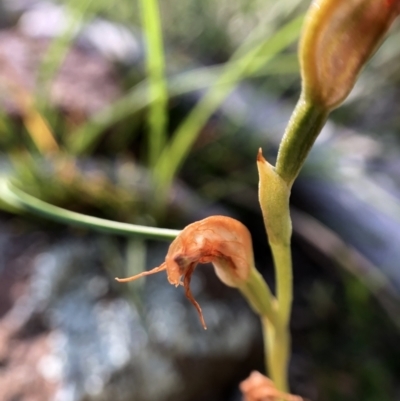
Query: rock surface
x=70, y=333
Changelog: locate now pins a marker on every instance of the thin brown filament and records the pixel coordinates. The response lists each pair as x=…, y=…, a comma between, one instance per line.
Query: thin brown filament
x=143, y=274
x=189, y=295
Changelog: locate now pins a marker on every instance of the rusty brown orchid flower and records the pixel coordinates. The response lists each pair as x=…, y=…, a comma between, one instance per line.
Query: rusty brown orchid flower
x=258, y=387
x=220, y=240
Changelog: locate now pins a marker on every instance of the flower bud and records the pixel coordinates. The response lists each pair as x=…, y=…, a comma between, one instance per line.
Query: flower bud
x=339, y=36
x=220, y=240
x=258, y=387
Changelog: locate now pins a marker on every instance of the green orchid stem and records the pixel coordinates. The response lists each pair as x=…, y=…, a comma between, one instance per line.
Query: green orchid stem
x=304, y=126
x=306, y=123
x=20, y=201
x=275, y=329
x=284, y=279
x=276, y=334
x=277, y=350
x=257, y=293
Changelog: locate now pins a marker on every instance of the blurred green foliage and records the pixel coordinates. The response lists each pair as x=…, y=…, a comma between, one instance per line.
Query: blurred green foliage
x=261, y=50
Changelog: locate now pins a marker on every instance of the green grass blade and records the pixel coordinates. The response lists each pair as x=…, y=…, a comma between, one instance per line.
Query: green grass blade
x=155, y=65
x=18, y=200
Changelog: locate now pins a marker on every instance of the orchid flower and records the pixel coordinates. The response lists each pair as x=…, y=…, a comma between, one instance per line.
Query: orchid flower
x=220, y=240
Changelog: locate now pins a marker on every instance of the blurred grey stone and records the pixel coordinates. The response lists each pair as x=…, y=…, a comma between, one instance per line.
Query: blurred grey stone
x=103, y=346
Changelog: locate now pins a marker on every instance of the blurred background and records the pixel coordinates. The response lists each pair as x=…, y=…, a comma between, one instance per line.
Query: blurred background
x=114, y=110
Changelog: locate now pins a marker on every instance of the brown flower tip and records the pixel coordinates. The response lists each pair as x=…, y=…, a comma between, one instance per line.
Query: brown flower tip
x=260, y=157
x=258, y=387
x=220, y=240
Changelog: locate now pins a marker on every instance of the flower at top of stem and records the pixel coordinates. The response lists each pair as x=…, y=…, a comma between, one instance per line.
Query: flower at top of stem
x=220, y=240
x=339, y=36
